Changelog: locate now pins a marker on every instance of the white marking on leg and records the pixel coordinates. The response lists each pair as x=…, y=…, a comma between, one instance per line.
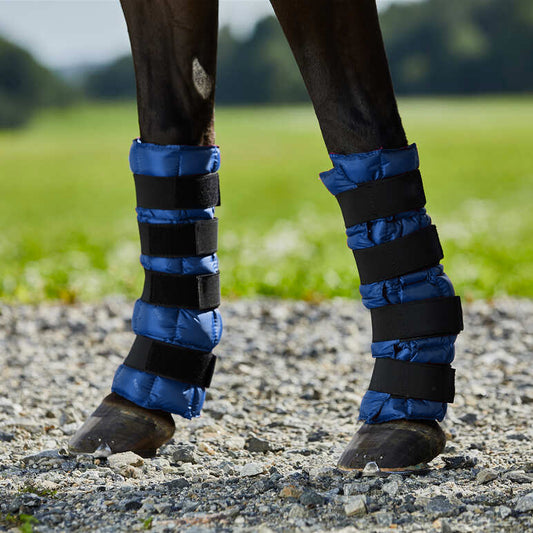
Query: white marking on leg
x=202, y=81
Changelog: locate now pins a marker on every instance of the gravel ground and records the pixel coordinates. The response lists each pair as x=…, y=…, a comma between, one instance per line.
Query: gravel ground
x=284, y=403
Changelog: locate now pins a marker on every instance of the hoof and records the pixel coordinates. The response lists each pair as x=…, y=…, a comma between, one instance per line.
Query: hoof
x=119, y=425
x=394, y=446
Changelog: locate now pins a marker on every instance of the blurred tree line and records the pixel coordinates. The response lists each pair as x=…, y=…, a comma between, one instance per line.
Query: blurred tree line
x=434, y=47
x=460, y=47
x=26, y=86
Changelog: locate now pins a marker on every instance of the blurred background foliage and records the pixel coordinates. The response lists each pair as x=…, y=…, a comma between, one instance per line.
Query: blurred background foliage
x=67, y=200
x=26, y=86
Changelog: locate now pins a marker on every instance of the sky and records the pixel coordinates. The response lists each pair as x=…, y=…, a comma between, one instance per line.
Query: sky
x=67, y=33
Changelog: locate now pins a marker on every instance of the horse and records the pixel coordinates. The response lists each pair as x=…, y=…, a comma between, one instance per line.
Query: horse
x=339, y=50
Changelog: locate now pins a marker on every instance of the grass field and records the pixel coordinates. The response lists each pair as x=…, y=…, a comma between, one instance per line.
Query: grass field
x=68, y=221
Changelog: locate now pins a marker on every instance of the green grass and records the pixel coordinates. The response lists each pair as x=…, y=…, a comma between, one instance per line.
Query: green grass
x=67, y=202
x=23, y=522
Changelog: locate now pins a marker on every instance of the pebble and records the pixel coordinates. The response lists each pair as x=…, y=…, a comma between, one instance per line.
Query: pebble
x=125, y=464
x=383, y=518
x=391, y=488
x=6, y=437
x=459, y=461
x=204, y=447
x=262, y=456
x=310, y=498
x=518, y=477
x=118, y=461
x=485, y=475
x=235, y=443
x=184, y=453
x=290, y=491
x=252, y=469
x=525, y=503
x=355, y=506
x=49, y=457
x=254, y=444
x=132, y=505
x=441, y=506
x=504, y=511
x=179, y=483
x=356, y=488
x=469, y=418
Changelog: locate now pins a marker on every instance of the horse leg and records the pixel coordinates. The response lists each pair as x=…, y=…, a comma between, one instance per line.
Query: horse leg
x=415, y=316
x=175, y=161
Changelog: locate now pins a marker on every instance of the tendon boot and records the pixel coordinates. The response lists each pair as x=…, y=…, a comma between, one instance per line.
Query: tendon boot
x=415, y=313
x=170, y=364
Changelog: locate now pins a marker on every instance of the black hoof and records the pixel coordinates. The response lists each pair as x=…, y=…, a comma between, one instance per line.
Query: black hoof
x=395, y=445
x=119, y=425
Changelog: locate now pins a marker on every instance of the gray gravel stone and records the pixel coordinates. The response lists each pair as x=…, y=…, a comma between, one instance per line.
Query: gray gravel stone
x=6, y=437
x=254, y=444
x=504, y=511
x=118, y=461
x=184, y=453
x=356, y=488
x=310, y=498
x=180, y=483
x=355, y=506
x=391, y=488
x=383, y=518
x=441, y=506
x=518, y=477
x=290, y=374
x=525, y=503
x=252, y=469
x=486, y=475
x=459, y=461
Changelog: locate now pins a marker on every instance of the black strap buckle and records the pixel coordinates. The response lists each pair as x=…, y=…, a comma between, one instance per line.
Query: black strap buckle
x=177, y=192
x=413, y=252
x=433, y=317
x=382, y=198
x=167, y=360
x=200, y=291
x=421, y=381
x=179, y=240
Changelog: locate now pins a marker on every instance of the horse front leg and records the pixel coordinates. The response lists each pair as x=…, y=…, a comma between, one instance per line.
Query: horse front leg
x=175, y=165
x=415, y=315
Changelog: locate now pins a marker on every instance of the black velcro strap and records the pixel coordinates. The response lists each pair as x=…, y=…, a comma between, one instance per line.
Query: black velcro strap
x=382, y=198
x=179, y=240
x=413, y=252
x=190, y=292
x=177, y=192
x=170, y=361
x=422, y=318
x=414, y=380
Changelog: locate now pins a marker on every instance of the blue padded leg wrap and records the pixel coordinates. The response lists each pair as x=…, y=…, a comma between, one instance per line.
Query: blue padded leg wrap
x=349, y=171
x=199, y=330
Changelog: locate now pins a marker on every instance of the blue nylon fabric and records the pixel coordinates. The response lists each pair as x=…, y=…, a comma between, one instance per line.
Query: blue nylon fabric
x=182, y=327
x=181, y=265
x=172, y=159
x=174, y=216
x=348, y=172
x=150, y=391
